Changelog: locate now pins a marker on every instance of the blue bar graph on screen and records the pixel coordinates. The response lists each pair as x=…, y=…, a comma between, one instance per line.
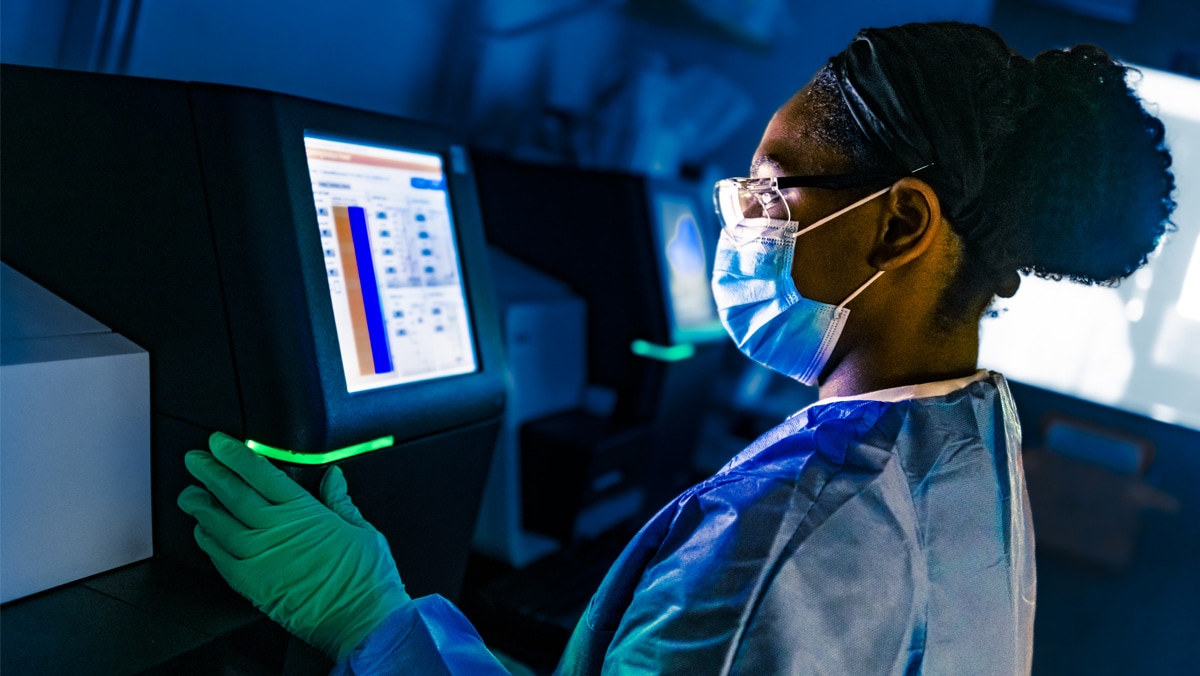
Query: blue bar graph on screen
x=370, y=290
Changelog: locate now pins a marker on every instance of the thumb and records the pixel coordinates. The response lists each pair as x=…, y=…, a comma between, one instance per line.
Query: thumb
x=333, y=494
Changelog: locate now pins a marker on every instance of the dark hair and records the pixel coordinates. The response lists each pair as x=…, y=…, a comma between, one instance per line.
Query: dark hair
x=1076, y=177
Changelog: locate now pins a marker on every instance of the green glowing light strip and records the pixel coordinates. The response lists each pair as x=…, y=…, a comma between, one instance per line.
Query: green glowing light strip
x=650, y=350
x=320, y=458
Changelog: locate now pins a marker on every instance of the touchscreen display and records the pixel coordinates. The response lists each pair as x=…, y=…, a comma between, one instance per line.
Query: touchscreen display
x=391, y=259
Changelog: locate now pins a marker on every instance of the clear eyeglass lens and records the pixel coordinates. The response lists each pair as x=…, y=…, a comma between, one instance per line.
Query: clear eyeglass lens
x=737, y=201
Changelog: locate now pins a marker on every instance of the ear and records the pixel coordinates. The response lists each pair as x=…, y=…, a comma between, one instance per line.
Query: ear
x=911, y=220
x=1009, y=285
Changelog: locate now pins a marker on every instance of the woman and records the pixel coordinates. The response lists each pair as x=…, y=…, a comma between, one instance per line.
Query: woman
x=884, y=529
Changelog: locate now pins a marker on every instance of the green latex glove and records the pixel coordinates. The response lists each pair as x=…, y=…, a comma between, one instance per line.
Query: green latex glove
x=320, y=570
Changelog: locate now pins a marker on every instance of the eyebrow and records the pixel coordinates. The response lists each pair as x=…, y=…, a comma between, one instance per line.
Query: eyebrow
x=764, y=159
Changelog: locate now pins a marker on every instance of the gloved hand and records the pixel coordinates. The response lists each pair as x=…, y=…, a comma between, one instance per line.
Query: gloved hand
x=320, y=570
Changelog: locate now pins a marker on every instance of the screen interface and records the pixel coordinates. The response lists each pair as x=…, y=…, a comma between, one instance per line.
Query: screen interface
x=688, y=270
x=391, y=260
x=1135, y=346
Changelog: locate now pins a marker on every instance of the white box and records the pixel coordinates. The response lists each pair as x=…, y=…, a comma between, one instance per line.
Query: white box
x=74, y=444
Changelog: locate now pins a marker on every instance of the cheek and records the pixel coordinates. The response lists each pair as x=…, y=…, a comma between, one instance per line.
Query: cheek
x=830, y=262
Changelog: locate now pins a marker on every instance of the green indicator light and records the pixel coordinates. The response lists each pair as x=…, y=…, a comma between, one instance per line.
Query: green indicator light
x=650, y=350
x=320, y=458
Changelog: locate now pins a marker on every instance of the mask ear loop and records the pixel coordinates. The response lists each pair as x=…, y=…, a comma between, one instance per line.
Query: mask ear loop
x=830, y=217
x=877, y=275
x=839, y=212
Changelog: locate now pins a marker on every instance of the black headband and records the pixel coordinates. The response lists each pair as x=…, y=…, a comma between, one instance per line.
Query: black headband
x=913, y=93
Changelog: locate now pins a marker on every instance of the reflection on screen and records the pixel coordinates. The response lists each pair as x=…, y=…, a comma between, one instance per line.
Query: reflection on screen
x=1136, y=346
x=688, y=270
x=392, y=263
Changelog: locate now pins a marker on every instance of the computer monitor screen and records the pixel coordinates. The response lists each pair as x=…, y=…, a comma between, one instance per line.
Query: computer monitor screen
x=686, y=251
x=392, y=263
x=1135, y=346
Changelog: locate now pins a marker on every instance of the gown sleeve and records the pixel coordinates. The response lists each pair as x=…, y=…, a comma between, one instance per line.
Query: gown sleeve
x=428, y=636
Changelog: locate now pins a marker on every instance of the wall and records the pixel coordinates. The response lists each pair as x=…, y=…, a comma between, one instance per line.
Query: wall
x=31, y=31
x=514, y=73
x=540, y=89
x=1161, y=30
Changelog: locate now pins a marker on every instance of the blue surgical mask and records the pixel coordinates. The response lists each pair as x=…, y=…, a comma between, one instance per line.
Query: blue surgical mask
x=758, y=302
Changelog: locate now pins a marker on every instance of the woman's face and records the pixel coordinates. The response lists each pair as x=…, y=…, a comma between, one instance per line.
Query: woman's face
x=830, y=261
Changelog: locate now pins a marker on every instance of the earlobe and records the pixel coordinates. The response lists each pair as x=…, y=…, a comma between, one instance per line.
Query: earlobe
x=910, y=222
x=1009, y=284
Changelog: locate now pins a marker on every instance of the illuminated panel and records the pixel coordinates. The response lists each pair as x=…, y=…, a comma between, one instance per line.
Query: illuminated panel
x=1189, y=299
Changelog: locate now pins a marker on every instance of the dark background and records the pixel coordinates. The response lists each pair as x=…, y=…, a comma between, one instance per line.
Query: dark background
x=587, y=82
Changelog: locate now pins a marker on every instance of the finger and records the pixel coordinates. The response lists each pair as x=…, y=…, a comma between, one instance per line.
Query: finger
x=226, y=563
x=333, y=494
x=190, y=497
x=233, y=536
x=256, y=470
x=242, y=501
x=230, y=568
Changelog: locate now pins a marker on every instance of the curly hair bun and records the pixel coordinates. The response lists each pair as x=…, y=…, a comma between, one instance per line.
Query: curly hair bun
x=1050, y=166
x=1082, y=186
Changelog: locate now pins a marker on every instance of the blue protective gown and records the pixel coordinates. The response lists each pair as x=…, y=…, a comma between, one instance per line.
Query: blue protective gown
x=882, y=534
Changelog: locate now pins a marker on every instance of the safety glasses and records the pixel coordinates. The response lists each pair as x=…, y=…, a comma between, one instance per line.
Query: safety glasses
x=739, y=199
